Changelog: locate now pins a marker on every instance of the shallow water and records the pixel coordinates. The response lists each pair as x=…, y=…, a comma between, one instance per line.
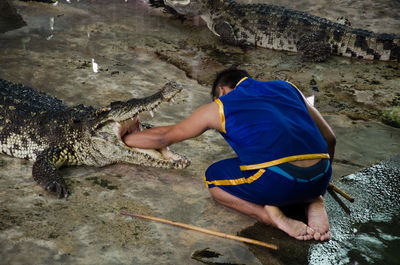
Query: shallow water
x=137, y=49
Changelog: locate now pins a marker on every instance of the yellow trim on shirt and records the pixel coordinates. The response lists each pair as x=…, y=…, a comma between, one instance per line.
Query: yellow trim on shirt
x=241, y=80
x=235, y=181
x=221, y=107
x=205, y=180
x=292, y=84
x=221, y=113
x=283, y=160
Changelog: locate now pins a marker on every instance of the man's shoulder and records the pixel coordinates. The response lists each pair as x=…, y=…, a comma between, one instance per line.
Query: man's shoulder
x=210, y=109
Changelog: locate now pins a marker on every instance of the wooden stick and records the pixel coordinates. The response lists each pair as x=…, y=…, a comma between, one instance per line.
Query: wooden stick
x=345, y=195
x=338, y=200
x=203, y=230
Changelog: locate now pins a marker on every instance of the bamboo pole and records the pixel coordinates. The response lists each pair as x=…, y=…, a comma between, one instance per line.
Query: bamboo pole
x=338, y=200
x=345, y=195
x=204, y=230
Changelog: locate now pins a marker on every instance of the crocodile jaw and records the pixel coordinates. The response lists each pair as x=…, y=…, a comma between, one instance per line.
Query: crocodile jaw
x=162, y=157
x=107, y=146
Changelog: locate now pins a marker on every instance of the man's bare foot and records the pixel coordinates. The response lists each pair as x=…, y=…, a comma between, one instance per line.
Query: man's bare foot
x=292, y=227
x=318, y=219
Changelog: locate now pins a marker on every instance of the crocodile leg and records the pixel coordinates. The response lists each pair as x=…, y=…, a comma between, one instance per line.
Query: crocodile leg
x=225, y=32
x=314, y=46
x=45, y=170
x=228, y=34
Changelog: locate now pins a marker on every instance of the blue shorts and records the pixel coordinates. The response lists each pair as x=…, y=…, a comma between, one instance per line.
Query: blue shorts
x=279, y=185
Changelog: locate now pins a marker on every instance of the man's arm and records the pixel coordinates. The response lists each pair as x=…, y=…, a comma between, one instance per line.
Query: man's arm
x=204, y=118
x=323, y=127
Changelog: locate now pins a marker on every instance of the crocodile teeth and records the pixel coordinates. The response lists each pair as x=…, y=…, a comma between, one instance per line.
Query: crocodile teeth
x=117, y=128
x=151, y=113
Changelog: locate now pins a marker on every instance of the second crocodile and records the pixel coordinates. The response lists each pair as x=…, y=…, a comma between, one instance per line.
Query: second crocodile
x=280, y=28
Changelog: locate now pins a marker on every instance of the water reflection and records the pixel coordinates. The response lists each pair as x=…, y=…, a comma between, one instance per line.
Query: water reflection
x=24, y=41
x=51, y=23
x=95, y=66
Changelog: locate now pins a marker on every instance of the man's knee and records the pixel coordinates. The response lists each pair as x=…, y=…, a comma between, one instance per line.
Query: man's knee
x=221, y=196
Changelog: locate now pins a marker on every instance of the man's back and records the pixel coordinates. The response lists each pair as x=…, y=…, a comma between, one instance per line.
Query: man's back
x=266, y=121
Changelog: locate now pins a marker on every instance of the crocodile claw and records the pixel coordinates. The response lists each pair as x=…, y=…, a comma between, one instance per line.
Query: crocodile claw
x=45, y=172
x=59, y=187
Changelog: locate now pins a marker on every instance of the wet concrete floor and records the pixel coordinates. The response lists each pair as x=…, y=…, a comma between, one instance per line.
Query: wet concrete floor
x=138, y=49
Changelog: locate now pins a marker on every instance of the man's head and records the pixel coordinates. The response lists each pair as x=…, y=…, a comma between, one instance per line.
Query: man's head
x=226, y=80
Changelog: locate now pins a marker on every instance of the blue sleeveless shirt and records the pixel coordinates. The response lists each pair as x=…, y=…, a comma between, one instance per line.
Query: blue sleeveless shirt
x=267, y=123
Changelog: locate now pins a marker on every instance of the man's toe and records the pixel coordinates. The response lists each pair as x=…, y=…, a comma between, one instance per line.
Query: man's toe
x=326, y=236
x=317, y=236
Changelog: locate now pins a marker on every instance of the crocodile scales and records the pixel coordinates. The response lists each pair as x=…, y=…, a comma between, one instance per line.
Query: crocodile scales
x=38, y=127
x=280, y=28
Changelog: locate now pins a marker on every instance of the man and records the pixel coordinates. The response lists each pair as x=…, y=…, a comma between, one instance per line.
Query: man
x=284, y=147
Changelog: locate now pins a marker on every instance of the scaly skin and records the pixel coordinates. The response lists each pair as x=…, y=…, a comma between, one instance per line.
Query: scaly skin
x=41, y=128
x=279, y=28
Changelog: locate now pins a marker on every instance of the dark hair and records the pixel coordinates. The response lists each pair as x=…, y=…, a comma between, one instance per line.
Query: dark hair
x=228, y=77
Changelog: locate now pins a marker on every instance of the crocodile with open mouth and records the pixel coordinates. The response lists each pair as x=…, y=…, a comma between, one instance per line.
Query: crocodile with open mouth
x=38, y=127
x=280, y=28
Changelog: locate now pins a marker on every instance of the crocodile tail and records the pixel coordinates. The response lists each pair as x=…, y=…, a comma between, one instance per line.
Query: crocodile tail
x=389, y=45
x=365, y=44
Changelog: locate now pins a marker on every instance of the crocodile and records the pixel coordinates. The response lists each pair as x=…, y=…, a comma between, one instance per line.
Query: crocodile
x=38, y=127
x=280, y=28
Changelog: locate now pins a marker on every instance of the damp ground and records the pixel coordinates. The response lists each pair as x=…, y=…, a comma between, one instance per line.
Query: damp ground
x=136, y=50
